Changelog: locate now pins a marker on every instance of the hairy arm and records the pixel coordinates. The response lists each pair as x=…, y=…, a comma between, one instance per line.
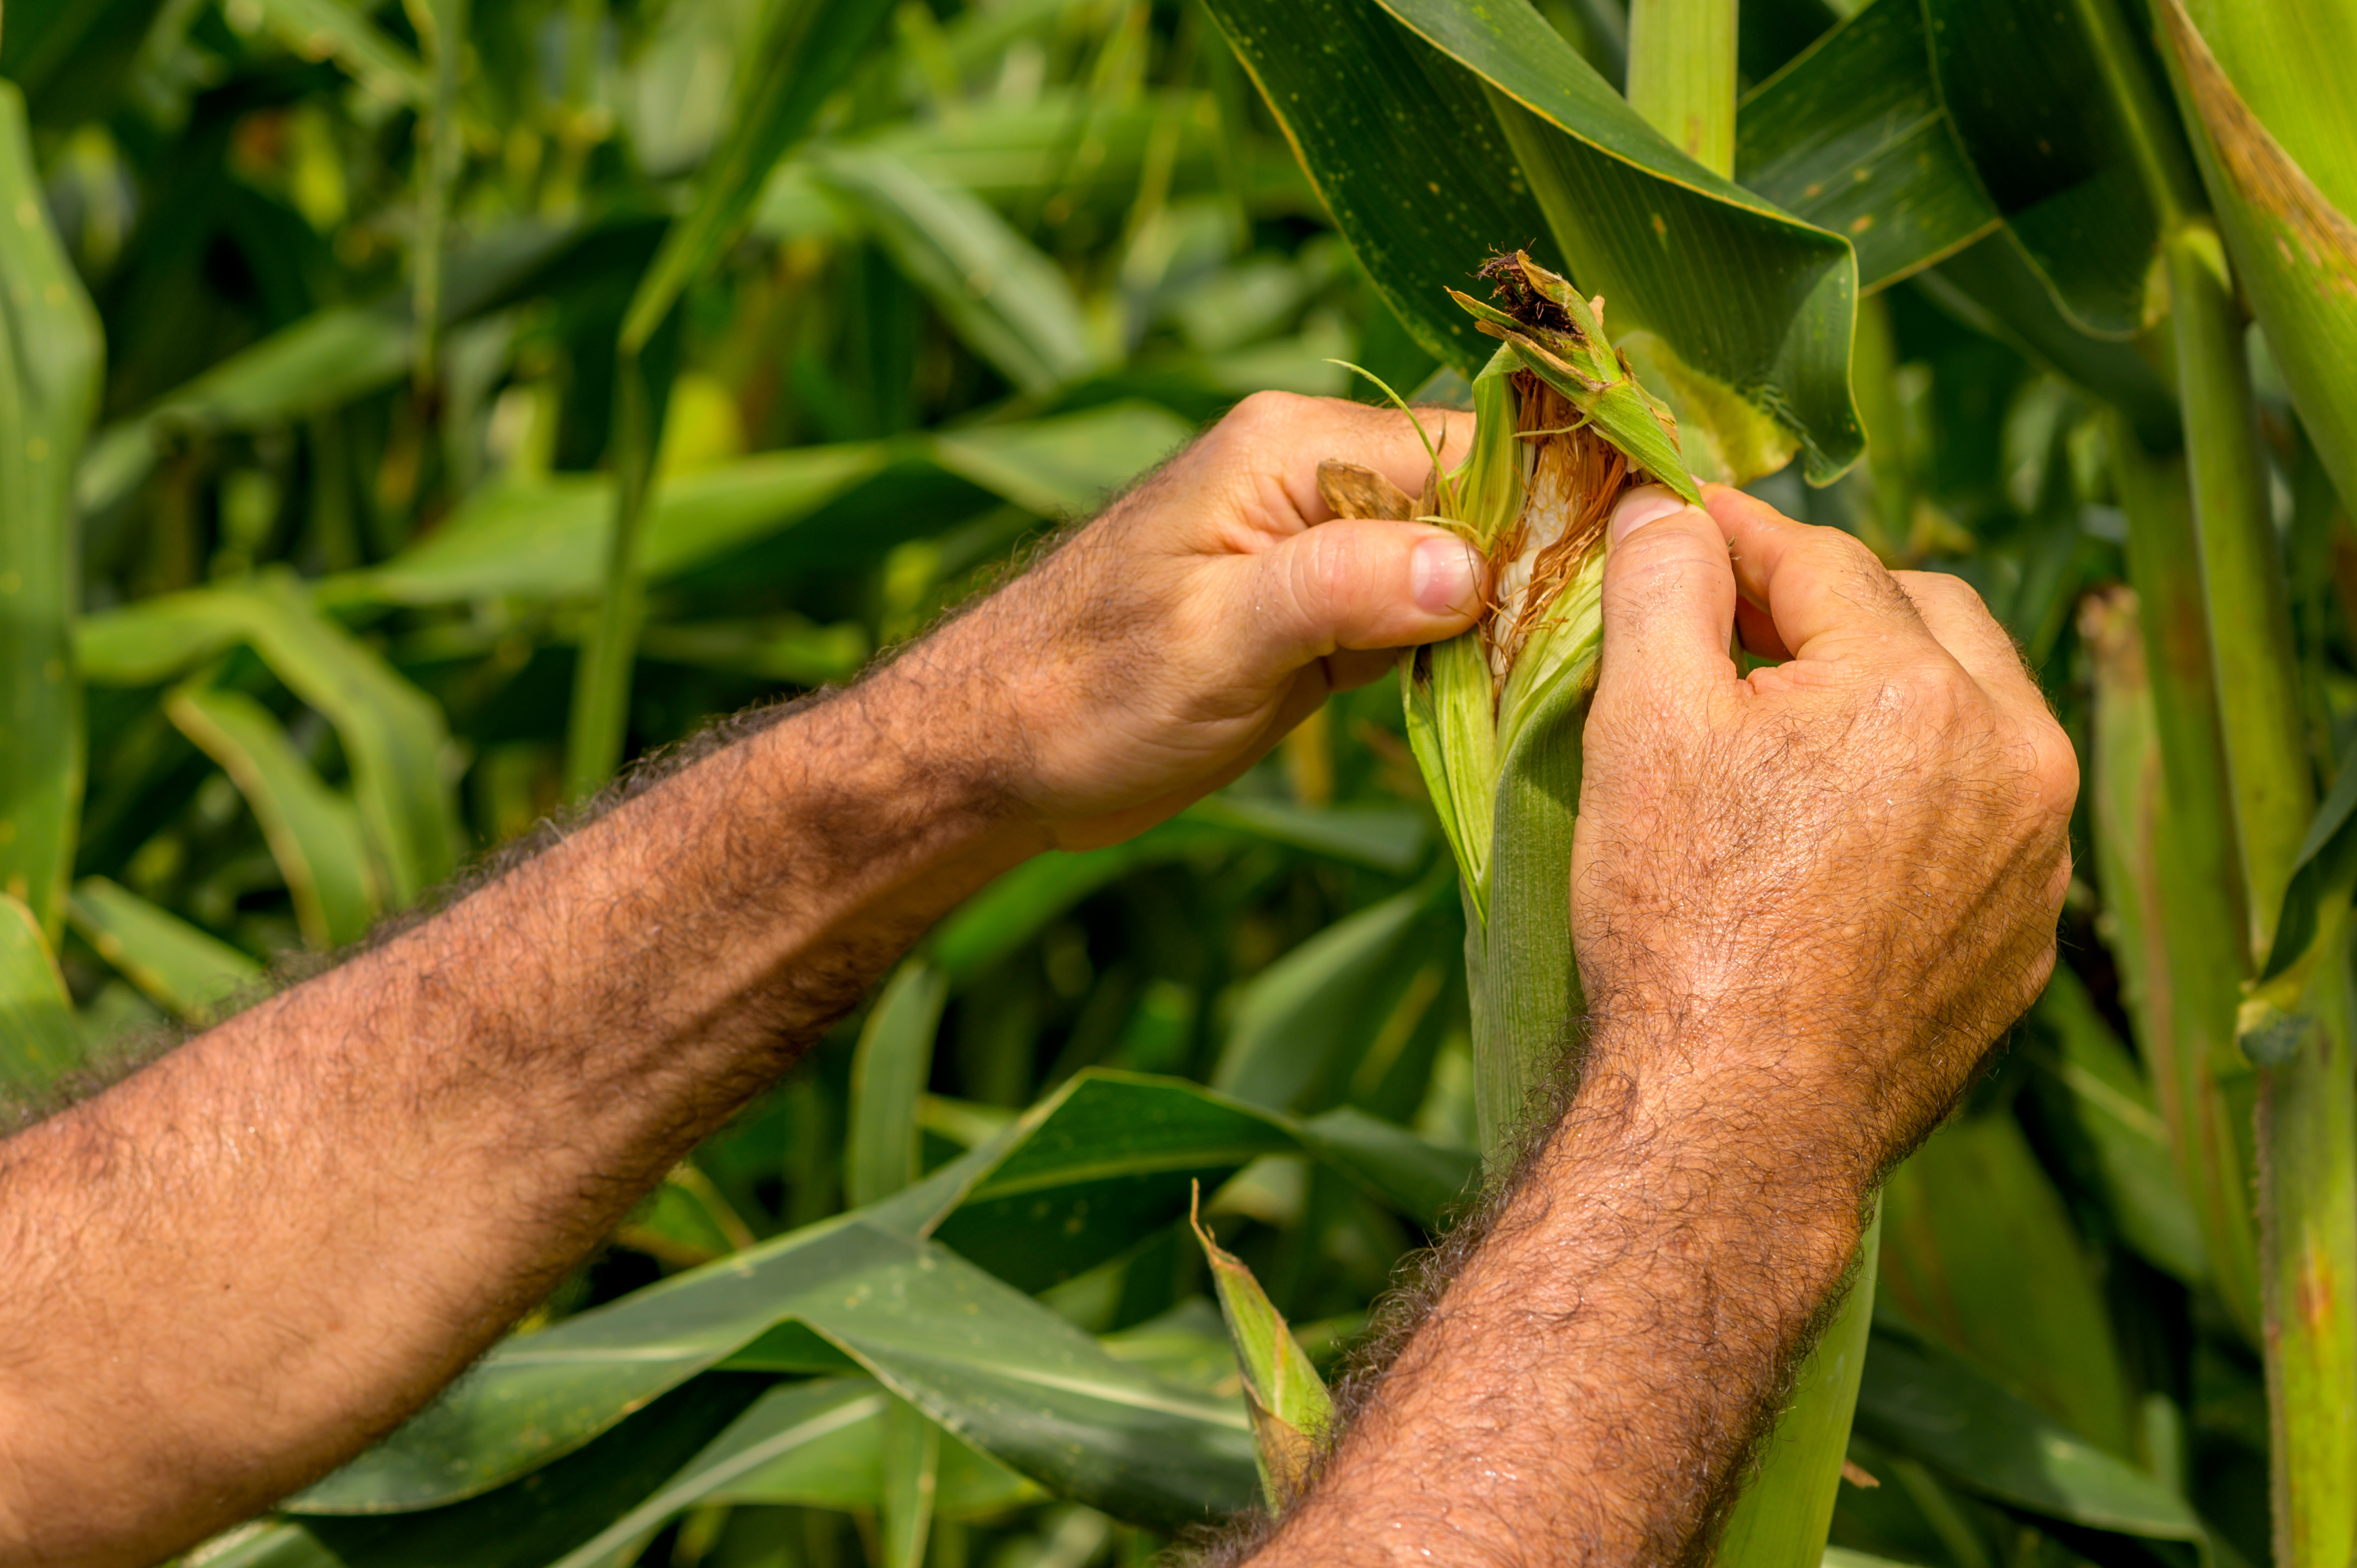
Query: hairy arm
x=1805, y=903
x=232, y=1271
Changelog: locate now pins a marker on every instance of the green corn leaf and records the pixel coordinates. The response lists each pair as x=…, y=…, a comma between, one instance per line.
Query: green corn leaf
x=998, y=292
x=2022, y=83
x=393, y=734
x=313, y=832
x=38, y=1038
x=183, y=970
x=1926, y=1402
x=1296, y=1015
x=558, y=1512
x=807, y=49
x=912, y=1478
x=1289, y=1406
x=1852, y=137
x=887, y=1074
x=1107, y=1159
x=1375, y=113
x=50, y=359
x=814, y=1445
x=992, y=1365
x=1066, y=466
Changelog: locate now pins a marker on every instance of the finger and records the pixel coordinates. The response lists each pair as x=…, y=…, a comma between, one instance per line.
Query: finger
x=1668, y=598
x=1963, y=624
x=1827, y=595
x=1353, y=584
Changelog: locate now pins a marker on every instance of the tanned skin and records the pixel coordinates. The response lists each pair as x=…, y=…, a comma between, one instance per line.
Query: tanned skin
x=1807, y=903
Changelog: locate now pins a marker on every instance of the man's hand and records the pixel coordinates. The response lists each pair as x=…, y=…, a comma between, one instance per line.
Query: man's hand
x=1164, y=649
x=1856, y=854
x=1804, y=902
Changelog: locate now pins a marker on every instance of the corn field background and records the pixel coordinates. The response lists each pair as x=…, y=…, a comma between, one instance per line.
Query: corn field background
x=410, y=411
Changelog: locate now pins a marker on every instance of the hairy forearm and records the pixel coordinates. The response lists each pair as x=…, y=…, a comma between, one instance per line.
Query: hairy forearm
x=253, y=1255
x=1586, y=1388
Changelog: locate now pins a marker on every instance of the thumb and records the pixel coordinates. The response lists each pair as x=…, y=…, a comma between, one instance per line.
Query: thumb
x=1668, y=597
x=1355, y=583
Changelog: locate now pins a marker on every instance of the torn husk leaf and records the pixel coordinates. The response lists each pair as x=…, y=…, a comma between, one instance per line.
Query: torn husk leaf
x=1289, y=1406
x=1563, y=429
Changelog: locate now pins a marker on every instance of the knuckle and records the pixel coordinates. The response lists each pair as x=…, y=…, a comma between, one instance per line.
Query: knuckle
x=1267, y=412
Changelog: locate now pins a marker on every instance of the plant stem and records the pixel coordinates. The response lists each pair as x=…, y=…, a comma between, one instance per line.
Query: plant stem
x=1682, y=75
x=2242, y=577
x=2307, y=1128
x=2188, y=903
x=602, y=681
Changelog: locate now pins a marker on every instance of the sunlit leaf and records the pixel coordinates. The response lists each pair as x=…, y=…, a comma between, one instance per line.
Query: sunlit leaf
x=182, y=970
x=38, y=1039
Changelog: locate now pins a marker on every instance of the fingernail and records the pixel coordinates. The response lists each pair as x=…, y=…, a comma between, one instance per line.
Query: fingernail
x=1649, y=503
x=1443, y=575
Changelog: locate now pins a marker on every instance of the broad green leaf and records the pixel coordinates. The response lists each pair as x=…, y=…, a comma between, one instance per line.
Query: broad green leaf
x=1298, y=1013
x=805, y=52
x=2023, y=83
x=314, y=833
x=1402, y=147
x=50, y=365
x=1289, y=1406
x=1007, y=151
x=1424, y=1181
x=1068, y=465
x=38, y=1038
x=992, y=1365
x=342, y=31
x=888, y=1073
x=1926, y=1402
x=318, y=364
x=1993, y=288
x=1388, y=838
x=1977, y=1248
x=998, y=292
x=2269, y=98
x=1783, y=1515
x=1672, y=247
x=183, y=970
x=537, y=1521
x=1851, y=137
x=846, y=1471
x=1106, y=1159
x=391, y=732
x=814, y=1445
x=545, y=537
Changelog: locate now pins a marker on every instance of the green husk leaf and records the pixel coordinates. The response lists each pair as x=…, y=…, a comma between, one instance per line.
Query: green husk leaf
x=1290, y=1407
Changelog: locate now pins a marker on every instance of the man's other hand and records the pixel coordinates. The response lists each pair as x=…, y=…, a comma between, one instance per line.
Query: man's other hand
x=1843, y=871
x=1168, y=646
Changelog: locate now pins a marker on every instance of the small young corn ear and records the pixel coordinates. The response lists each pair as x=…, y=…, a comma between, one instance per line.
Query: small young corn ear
x=1290, y=1408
